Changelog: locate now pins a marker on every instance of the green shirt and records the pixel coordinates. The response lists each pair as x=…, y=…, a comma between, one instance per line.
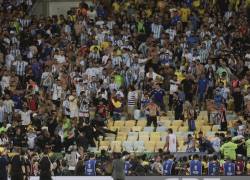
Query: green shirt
x=248, y=147
x=228, y=150
x=118, y=80
x=3, y=129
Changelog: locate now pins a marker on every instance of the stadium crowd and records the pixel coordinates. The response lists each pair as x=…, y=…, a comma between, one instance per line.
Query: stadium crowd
x=65, y=77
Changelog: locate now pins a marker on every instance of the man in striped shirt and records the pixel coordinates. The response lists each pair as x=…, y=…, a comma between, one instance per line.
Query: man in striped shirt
x=20, y=67
x=132, y=101
x=203, y=53
x=156, y=29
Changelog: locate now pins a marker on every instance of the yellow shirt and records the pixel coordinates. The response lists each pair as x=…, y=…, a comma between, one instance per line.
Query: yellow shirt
x=248, y=3
x=105, y=44
x=148, y=12
x=116, y=6
x=196, y=3
x=185, y=12
x=180, y=76
x=95, y=46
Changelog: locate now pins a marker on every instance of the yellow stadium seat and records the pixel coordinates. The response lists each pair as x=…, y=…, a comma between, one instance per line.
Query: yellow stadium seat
x=164, y=135
x=143, y=133
x=182, y=147
x=159, y=145
x=167, y=123
x=164, y=118
x=119, y=123
x=144, y=138
x=121, y=138
x=149, y=146
x=215, y=128
x=130, y=123
x=200, y=122
x=125, y=129
x=205, y=129
x=174, y=128
x=116, y=146
x=155, y=136
x=183, y=129
x=141, y=123
x=177, y=123
x=114, y=128
x=110, y=123
x=109, y=138
x=122, y=133
x=170, y=113
x=132, y=138
x=104, y=145
x=137, y=128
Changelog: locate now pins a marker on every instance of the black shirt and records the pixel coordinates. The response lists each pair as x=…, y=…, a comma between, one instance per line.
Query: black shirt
x=3, y=165
x=44, y=166
x=16, y=165
x=187, y=85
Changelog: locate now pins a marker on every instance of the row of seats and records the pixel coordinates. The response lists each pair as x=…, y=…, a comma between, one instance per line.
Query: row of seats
x=163, y=128
x=131, y=146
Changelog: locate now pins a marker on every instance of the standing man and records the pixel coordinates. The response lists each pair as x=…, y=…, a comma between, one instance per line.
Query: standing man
x=45, y=166
x=171, y=142
x=153, y=111
x=3, y=165
x=201, y=92
x=118, y=167
x=174, y=85
x=90, y=166
x=17, y=167
x=158, y=95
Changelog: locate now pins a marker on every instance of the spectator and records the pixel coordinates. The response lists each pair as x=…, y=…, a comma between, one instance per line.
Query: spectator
x=171, y=142
x=153, y=110
x=118, y=168
x=45, y=166
x=3, y=165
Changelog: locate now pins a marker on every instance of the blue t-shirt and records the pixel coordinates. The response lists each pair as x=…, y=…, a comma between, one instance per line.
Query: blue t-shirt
x=202, y=86
x=90, y=168
x=195, y=168
x=18, y=104
x=128, y=165
x=213, y=168
x=158, y=95
x=167, y=167
x=229, y=169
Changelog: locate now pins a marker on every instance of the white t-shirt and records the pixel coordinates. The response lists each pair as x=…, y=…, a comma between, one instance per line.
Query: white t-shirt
x=25, y=117
x=9, y=59
x=66, y=107
x=216, y=144
x=57, y=92
x=31, y=140
x=60, y=59
x=172, y=143
x=9, y=104
x=173, y=86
